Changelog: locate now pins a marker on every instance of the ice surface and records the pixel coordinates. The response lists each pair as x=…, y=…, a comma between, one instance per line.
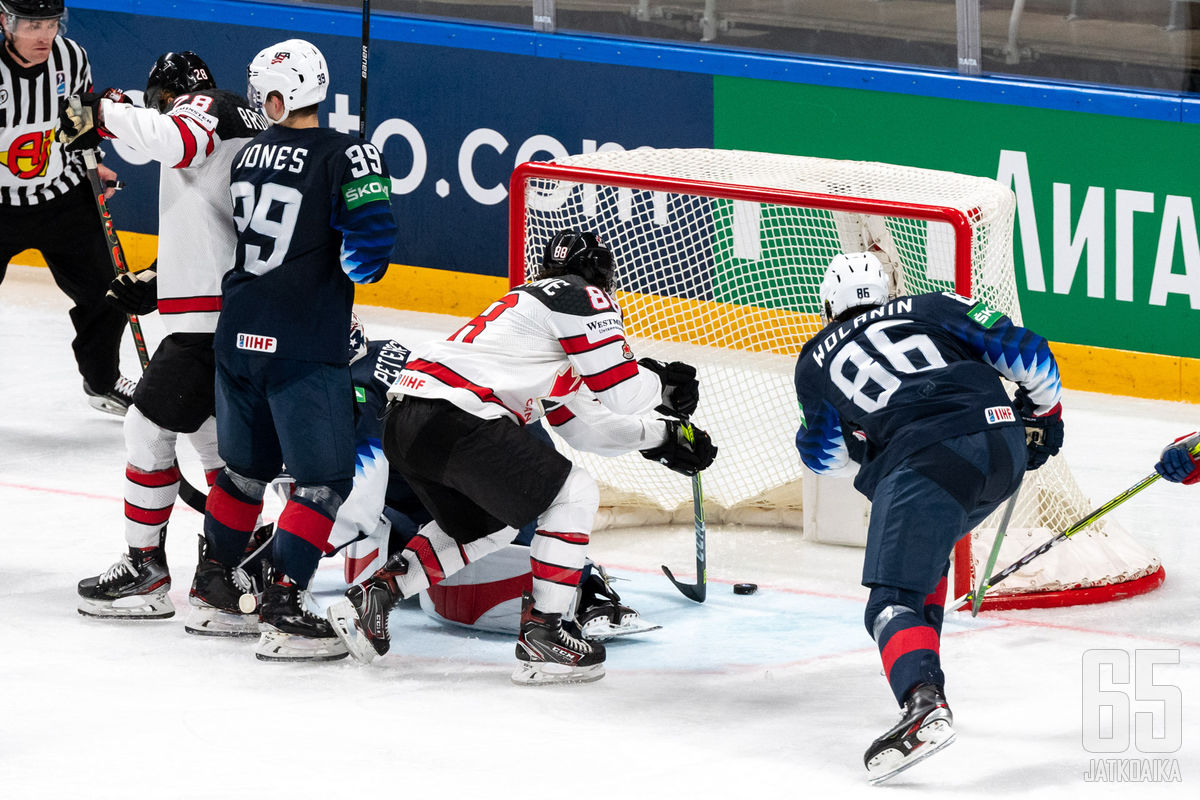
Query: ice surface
x=771, y=695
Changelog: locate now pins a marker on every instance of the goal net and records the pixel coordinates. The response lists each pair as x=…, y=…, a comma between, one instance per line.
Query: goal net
x=719, y=257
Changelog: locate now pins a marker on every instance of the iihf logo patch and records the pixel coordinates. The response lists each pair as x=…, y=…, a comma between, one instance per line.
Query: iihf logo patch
x=60, y=83
x=259, y=344
x=997, y=414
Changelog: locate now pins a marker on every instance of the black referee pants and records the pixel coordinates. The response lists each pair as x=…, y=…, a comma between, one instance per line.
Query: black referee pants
x=67, y=232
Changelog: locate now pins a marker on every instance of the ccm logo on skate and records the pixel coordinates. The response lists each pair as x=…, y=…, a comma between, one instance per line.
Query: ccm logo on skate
x=261, y=344
x=1000, y=414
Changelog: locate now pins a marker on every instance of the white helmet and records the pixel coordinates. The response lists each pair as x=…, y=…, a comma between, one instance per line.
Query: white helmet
x=852, y=280
x=295, y=68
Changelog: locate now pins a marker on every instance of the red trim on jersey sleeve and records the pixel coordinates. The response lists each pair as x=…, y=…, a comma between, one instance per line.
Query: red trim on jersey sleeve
x=612, y=376
x=186, y=305
x=188, y=140
x=573, y=345
x=559, y=416
x=451, y=378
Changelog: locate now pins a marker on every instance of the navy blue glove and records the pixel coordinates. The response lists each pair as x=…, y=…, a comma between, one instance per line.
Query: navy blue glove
x=1176, y=463
x=1043, y=432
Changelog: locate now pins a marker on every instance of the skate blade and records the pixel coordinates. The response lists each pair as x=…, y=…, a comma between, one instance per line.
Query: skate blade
x=342, y=617
x=208, y=621
x=935, y=736
x=136, y=607
x=276, y=645
x=601, y=630
x=107, y=406
x=529, y=673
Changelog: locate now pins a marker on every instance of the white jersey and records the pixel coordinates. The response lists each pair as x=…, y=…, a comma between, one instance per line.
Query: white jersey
x=34, y=167
x=530, y=352
x=195, y=141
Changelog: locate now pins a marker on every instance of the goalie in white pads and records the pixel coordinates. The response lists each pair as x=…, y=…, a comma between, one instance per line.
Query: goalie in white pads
x=456, y=433
x=193, y=129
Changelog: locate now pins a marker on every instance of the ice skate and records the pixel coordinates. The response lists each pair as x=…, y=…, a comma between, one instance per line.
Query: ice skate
x=600, y=614
x=215, y=598
x=290, y=632
x=548, y=654
x=133, y=588
x=115, y=401
x=926, y=726
x=361, y=620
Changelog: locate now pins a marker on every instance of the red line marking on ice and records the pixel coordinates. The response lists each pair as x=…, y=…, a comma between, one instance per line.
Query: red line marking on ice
x=70, y=492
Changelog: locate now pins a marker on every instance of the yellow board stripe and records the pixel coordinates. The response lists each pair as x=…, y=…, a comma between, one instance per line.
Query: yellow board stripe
x=436, y=291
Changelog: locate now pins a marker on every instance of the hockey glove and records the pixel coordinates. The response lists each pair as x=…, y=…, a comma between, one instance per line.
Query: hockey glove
x=680, y=389
x=1177, y=464
x=82, y=130
x=134, y=292
x=686, y=450
x=1043, y=432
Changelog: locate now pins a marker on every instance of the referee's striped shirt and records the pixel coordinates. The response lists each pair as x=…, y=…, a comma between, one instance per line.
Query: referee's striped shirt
x=34, y=168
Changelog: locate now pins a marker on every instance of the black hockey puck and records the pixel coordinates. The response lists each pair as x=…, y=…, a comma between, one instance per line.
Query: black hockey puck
x=745, y=588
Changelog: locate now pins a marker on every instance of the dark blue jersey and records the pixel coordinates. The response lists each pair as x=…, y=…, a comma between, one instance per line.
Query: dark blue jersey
x=313, y=212
x=373, y=375
x=915, y=371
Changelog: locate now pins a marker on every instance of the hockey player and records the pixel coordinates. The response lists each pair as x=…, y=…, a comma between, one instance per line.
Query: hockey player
x=45, y=198
x=382, y=516
x=1177, y=464
x=194, y=130
x=456, y=432
x=910, y=389
x=313, y=212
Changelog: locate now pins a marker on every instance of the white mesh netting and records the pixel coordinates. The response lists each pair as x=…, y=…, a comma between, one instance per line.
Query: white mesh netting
x=720, y=254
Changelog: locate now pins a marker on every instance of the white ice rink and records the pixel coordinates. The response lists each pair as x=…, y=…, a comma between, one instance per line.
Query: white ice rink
x=774, y=695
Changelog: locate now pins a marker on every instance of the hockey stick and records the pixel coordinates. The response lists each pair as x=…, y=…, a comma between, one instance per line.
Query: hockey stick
x=991, y=562
x=116, y=256
x=699, y=589
x=1068, y=533
x=362, y=82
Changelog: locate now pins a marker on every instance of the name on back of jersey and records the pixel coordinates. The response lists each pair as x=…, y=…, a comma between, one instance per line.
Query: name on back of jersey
x=278, y=157
x=831, y=340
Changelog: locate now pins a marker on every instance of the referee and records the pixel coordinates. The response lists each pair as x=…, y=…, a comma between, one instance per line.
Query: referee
x=45, y=197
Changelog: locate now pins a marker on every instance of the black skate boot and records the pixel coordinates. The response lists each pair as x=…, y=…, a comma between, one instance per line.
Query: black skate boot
x=216, y=600
x=115, y=401
x=550, y=654
x=926, y=726
x=133, y=588
x=600, y=613
x=290, y=632
x=361, y=620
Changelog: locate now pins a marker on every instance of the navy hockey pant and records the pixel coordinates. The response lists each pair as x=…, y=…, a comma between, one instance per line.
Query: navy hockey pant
x=272, y=412
x=920, y=509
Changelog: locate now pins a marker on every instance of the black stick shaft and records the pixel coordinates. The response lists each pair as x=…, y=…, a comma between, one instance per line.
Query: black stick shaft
x=362, y=83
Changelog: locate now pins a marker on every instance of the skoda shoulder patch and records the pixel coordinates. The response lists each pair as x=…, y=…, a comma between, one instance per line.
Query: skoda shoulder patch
x=360, y=394
x=366, y=189
x=984, y=315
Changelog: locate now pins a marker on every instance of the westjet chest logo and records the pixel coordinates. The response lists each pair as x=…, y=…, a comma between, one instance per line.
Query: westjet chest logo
x=260, y=344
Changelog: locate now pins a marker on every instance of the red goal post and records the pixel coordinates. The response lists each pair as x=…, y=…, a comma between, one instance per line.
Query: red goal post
x=672, y=219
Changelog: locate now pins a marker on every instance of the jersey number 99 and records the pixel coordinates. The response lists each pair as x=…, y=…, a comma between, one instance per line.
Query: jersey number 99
x=269, y=211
